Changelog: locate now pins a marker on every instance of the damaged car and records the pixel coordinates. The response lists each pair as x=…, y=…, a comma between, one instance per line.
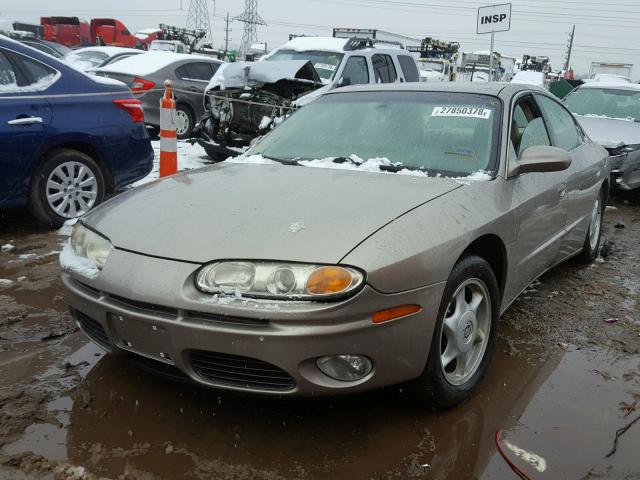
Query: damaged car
x=246, y=100
x=610, y=114
x=374, y=238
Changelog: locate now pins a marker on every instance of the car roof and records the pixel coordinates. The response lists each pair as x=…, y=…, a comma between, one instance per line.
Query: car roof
x=496, y=89
x=153, y=61
x=335, y=45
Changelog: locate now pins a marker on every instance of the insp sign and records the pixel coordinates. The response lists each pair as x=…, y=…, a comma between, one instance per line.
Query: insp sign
x=494, y=18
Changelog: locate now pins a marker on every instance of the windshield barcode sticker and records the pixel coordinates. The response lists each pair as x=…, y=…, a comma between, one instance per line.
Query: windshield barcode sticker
x=472, y=112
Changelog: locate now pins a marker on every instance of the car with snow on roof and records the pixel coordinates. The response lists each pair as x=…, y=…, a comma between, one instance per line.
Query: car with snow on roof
x=246, y=100
x=374, y=238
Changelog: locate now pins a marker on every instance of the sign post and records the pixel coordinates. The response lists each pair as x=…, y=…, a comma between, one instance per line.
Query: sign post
x=491, y=19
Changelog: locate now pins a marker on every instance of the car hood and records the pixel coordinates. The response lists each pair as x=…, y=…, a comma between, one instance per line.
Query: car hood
x=277, y=212
x=610, y=132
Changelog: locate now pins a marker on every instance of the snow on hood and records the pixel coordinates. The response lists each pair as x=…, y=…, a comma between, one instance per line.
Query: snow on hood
x=610, y=132
x=354, y=162
x=240, y=74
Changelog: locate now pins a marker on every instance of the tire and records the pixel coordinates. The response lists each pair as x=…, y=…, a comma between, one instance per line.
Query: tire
x=184, y=114
x=153, y=131
x=215, y=155
x=591, y=246
x=69, y=169
x=442, y=384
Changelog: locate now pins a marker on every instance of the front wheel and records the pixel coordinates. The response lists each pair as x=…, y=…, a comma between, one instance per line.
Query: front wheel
x=591, y=246
x=464, y=336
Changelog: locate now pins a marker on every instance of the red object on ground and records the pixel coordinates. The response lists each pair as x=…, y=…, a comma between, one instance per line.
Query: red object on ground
x=168, y=134
x=69, y=31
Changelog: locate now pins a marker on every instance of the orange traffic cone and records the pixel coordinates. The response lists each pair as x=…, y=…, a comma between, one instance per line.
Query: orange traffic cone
x=168, y=136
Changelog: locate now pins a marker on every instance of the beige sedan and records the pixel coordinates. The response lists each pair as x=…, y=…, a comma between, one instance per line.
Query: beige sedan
x=373, y=238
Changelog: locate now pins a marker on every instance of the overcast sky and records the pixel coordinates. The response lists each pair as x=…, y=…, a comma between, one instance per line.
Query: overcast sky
x=605, y=32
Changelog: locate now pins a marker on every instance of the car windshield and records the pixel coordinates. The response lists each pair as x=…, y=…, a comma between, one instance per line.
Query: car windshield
x=436, y=132
x=434, y=66
x=325, y=63
x=606, y=102
x=163, y=46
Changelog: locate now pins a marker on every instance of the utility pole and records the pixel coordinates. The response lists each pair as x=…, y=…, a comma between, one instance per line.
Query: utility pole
x=250, y=18
x=568, y=59
x=226, y=36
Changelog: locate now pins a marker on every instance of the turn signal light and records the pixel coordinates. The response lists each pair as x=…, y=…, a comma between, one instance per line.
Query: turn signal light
x=328, y=280
x=395, y=312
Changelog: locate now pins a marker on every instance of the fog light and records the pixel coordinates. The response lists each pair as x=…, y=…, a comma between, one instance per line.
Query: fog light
x=346, y=368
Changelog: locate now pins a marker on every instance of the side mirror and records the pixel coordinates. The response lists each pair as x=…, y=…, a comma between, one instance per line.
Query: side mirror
x=540, y=159
x=344, y=82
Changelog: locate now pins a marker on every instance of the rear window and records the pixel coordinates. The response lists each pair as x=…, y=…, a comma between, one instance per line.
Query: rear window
x=409, y=69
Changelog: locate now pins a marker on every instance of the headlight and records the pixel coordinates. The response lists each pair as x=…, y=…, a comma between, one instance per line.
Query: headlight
x=88, y=244
x=293, y=281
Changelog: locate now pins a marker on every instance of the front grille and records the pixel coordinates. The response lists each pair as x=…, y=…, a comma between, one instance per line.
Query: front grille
x=93, y=329
x=147, y=307
x=243, y=372
x=202, y=317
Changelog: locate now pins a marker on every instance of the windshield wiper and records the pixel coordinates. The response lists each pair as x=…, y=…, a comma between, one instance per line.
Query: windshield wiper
x=282, y=160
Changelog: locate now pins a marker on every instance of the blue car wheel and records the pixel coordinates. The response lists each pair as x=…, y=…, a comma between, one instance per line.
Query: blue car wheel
x=66, y=185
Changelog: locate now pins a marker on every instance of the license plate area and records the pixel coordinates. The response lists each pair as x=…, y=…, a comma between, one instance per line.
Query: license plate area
x=142, y=337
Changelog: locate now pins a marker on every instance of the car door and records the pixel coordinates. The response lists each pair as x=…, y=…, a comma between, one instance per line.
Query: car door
x=355, y=71
x=539, y=200
x=584, y=176
x=24, y=119
x=193, y=78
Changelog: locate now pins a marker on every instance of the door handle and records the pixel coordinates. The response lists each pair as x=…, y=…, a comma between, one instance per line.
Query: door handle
x=25, y=121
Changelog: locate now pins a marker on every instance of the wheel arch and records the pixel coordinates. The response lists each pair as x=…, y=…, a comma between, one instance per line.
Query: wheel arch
x=491, y=248
x=89, y=150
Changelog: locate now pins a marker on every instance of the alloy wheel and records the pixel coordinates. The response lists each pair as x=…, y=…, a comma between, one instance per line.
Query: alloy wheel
x=71, y=189
x=465, y=331
x=182, y=122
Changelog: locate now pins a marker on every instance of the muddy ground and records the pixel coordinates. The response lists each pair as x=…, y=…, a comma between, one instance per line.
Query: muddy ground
x=565, y=378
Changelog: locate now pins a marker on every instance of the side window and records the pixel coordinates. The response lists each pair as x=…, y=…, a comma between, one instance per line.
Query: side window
x=7, y=74
x=562, y=127
x=409, y=69
x=182, y=73
x=527, y=127
x=355, y=71
x=34, y=70
x=383, y=68
x=199, y=71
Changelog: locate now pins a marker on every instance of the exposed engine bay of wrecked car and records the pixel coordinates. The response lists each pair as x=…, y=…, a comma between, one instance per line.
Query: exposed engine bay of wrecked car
x=245, y=100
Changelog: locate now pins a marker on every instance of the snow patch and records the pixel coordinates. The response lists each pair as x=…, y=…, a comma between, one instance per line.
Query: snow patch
x=39, y=86
x=295, y=227
x=6, y=283
x=71, y=262
x=593, y=115
x=67, y=227
x=27, y=256
x=150, y=62
x=7, y=247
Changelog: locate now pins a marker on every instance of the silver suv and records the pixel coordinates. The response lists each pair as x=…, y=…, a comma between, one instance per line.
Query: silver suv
x=349, y=61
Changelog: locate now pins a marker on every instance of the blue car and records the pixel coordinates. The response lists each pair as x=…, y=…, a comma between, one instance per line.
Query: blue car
x=66, y=139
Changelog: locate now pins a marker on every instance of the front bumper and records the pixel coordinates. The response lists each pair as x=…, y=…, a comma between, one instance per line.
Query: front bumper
x=625, y=170
x=149, y=307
